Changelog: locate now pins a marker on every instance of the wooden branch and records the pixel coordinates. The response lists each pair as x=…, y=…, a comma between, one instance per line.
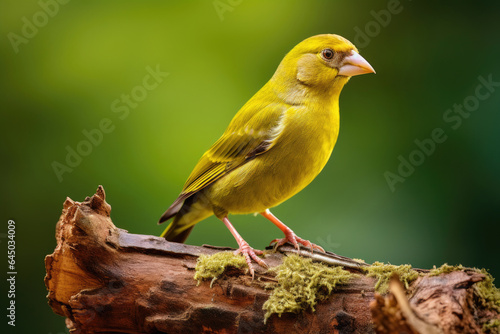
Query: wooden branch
x=106, y=280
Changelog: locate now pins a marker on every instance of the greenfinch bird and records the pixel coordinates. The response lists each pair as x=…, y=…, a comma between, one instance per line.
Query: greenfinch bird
x=277, y=143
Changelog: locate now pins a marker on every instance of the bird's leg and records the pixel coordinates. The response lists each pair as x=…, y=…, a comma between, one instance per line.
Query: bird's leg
x=289, y=234
x=248, y=252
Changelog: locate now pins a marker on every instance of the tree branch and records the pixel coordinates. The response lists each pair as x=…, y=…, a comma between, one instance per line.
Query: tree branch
x=106, y=280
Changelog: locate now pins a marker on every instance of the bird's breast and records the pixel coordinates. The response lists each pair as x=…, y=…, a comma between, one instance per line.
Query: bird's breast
x=308, y=139
x=298, y=156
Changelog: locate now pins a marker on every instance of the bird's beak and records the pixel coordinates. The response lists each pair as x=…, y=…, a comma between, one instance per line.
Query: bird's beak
x=354, y=64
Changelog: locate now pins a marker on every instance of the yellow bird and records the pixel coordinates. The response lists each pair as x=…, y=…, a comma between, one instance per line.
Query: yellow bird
x=277, y=143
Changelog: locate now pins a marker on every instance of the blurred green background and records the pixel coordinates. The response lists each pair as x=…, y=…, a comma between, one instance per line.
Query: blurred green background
x=62, y=77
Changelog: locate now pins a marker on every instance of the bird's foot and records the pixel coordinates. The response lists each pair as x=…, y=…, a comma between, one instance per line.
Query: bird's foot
x=291, y=237
x=250, y=254
x=289, y=234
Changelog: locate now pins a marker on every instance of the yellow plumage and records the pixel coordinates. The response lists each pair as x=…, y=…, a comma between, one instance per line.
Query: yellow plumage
x=275, y=145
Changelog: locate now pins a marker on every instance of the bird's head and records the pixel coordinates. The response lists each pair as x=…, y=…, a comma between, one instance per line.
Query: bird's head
x=323, y=62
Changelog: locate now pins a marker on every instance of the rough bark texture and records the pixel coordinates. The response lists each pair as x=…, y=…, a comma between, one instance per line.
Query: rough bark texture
x=105, y=280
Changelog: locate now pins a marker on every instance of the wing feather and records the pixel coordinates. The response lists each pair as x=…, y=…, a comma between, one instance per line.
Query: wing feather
x=245, y=138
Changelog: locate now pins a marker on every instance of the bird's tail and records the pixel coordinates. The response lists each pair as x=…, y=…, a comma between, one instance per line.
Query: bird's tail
x=176, y=231
x=186, y=214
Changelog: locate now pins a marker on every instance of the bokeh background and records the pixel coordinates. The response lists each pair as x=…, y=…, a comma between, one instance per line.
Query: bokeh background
x=63, y=77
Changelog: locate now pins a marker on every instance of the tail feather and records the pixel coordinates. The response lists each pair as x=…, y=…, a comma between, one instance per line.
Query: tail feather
x=186, y=214
x=174, y=233
x=173, y=209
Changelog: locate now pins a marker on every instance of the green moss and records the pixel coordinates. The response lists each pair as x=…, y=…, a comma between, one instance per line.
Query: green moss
x=301, y=284
x=492, y=327
x=383, y=272
x=359, y=260
x=487, y=293
x=211, y=267
x=445, y=269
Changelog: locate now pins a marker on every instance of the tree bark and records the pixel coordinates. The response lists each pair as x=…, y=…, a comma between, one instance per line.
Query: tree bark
x=106, y=280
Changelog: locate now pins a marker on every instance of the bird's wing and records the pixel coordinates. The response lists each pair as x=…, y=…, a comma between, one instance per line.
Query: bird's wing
x=251, y=133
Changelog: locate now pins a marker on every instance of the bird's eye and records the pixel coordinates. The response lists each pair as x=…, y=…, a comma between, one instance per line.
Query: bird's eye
x=327, y=54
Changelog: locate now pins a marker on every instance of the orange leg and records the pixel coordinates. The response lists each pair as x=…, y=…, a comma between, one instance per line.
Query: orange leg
x=248, y=252
x=289, y=234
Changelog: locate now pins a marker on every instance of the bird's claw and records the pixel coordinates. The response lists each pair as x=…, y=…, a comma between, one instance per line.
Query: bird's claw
x=295, y=240
x=250, y=254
